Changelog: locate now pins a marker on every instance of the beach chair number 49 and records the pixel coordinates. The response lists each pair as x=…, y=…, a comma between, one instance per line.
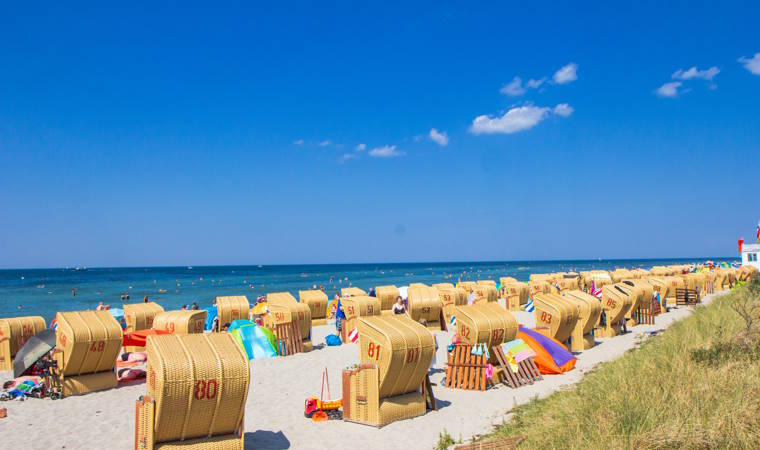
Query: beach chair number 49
x=204, y=390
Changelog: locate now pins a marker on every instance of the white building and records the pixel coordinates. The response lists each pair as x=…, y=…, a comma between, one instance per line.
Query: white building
x=750, y=253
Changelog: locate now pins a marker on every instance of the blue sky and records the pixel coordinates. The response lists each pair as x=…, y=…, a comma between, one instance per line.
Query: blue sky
x=303, y=133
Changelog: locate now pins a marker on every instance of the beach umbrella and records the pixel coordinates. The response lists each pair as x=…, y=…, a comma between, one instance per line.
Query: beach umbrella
x=253, y=340
x=259, y=308
x=35, y=348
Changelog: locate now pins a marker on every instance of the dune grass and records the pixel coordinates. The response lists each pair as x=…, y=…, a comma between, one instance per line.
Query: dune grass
x=695, y=386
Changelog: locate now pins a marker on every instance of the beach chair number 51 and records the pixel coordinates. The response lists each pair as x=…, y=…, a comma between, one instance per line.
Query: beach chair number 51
x=204, y=390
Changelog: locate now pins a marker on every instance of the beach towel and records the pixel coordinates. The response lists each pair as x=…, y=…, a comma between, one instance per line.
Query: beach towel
x=551, y=356
x=138, y=338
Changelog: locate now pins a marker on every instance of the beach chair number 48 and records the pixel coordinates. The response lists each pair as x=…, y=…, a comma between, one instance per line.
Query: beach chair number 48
x=97, y=346
x=205, y=389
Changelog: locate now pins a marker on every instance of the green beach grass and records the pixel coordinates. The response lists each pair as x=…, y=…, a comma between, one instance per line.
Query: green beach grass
x=697, y=385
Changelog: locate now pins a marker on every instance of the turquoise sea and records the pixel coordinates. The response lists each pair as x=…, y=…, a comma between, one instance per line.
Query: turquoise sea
x=46, y=291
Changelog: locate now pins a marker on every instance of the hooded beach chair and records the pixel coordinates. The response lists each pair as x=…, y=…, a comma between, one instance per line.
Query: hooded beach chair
x=425, y=304
x=589, y=310
x=387, y=296
x=555, y=316
x=637, y=295
x=450, y=297
x=615, y=303
x=230, y=308
x=395, y=354
x=285, y=310
x=352, y=292
x=354, y=308
x=515, y=294
x=87, y=344
x=14, y=332
x=181, y=322
x=139, y=316
x=317, y=302
x=196, y=390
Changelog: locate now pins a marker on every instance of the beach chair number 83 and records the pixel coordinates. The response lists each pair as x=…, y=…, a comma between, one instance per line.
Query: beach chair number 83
x=203, y=389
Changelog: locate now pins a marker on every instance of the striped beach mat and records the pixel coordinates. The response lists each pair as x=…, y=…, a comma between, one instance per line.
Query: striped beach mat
x=529, y=306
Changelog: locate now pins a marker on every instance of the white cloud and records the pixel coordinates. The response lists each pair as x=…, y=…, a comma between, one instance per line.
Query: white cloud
x=566, y=74
x=517, y=119
x=751, y=64
x=514, y=88
x=563, y=110
x=535, y=84
x=439, y=137
x=386, y=151
x=325, y=143
x=669, y=89
x=360, y=147
x=707, y=74
x=347, y=156
x=298, y=142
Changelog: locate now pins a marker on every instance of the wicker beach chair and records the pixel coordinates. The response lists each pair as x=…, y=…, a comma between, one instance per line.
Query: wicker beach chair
x=387, y=296
x=181, y=322
x=615, y=303
x=14, y=332
x=87, y=344
x=515, y=294
x=450, y=297
x=284, y=309
x=229, y=308
x=139, y=316
x=589, y=310
x=555, y=316
x=395, y=354
x=317, y=302
x=355, y=308
x=196, y=391
x=425, y=304
x=352, y=292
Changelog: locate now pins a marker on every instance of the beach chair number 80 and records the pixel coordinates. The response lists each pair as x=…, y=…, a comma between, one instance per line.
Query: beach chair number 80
x=203, y=390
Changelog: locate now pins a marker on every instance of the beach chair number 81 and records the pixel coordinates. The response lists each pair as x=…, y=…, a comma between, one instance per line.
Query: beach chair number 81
x=373, y=351
x=203, y=390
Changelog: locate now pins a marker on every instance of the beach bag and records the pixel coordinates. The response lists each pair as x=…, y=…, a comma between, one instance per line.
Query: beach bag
x=332, y=340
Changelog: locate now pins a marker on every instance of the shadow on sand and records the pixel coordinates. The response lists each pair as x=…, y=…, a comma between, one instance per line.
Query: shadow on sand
x=263, y=439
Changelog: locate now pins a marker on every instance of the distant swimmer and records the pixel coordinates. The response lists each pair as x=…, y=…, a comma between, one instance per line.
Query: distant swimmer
x=184, y=307
x=145, y=299
x=20, y=307
x=73, y=292
x=100, y=306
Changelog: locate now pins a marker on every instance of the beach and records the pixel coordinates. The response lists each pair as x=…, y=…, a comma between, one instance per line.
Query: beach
x=274, y=409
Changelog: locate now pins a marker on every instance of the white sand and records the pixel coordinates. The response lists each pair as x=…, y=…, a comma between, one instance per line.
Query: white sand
x=274, y=411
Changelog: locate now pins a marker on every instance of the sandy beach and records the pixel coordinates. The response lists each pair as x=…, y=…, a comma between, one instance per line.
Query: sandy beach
x=274, y=410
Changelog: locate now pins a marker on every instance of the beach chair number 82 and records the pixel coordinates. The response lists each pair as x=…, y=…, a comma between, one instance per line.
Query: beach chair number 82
x=203, y=389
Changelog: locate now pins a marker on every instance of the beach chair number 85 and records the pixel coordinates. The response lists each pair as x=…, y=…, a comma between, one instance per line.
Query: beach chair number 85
x=203, y=389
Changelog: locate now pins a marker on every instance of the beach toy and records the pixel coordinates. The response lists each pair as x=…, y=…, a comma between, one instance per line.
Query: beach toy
x=181, y=322
x=317, y=302
x=354, y=308
x=589, y=309
x=615, y=303
x=425, y=304
x=395, y=354
x=284, y=309
x=257, y=342
x=551, y=357
x=196, y=390
x=387, y=296
x=555, y=316
x=139, y=316
x=229, y=308
x=14, y=332
x=87, y=344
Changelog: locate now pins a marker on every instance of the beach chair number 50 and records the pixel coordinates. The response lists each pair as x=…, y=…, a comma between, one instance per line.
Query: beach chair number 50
x=204, y=390
x=373, y=351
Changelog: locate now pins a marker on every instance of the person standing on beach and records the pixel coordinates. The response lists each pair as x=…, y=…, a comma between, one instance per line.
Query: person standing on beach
x=339, y=314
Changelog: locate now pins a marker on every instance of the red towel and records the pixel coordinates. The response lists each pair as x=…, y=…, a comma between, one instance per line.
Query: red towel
x=138, y=338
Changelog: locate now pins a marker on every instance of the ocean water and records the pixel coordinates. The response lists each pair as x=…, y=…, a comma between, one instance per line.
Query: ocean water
x=46, y=291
